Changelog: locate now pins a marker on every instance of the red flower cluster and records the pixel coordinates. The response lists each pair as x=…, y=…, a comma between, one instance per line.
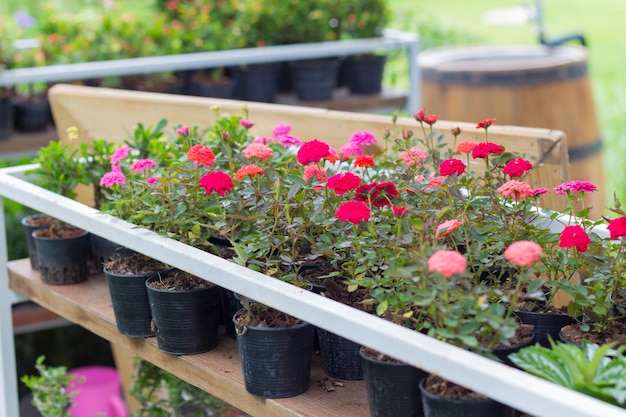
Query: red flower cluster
x=343, y=182
x=617, y=227
x=452, y=166
x=517, y=167
x=353, y=212
x=484, y=124
x=248, y=171
x=363, y=161
x=217, y=181
x=484, y=149
x=201, y=155
x=378, y=195
x=313, y=151
x=574, y=236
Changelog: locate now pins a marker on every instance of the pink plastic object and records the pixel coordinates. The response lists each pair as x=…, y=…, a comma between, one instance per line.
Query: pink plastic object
x=100, y=394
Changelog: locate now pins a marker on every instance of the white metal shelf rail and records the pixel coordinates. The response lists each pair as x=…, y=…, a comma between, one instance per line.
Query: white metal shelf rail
x=391, y=39
x=503, y=383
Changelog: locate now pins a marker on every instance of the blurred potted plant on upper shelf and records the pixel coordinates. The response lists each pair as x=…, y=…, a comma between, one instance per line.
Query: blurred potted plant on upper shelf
x=6, y=104
x=363, y=73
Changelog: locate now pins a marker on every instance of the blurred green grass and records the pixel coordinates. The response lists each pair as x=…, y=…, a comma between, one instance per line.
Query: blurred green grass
x=601, y=22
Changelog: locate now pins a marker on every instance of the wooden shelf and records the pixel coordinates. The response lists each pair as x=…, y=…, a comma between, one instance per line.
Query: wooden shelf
x=218, y=372
x=26, y=143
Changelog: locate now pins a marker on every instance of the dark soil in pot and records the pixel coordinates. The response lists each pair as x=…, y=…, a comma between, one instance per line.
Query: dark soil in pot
x=614, y=332
x=62, y=254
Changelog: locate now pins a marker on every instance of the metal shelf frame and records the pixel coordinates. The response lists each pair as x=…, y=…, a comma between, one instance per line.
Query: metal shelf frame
x=500, y=382
x=391, y=39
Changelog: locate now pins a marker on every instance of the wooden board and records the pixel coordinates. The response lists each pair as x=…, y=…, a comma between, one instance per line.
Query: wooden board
x=111, y=114
x=218, y=372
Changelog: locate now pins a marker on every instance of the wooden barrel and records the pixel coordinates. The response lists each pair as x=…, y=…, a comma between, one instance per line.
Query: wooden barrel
x=532, y=86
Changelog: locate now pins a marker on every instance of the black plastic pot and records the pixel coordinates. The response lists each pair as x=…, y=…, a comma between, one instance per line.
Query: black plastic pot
x=363, y=74
x=392, y=388
x=315, y=79
x=103, y=249
x=186, y=322
x=62, y=261
x=438, y=406
x=7, y=117
x=503, y=353
x=131, y=307
x=230, y=305
x=340, y=356
x=257, y=82
x=32, y=117
x=276, y=362
x=29, y=228
x=547, y=325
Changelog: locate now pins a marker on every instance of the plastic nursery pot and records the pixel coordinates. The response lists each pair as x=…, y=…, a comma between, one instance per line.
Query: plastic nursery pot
x=503, y=353
x=230, y=305
x=546, y=324
x=276, y=362
x=186, y=321
x=130, y=303
x=364, y=74
x=62, y=260
x=340, y=356
x=30, y=224
x=392, y=387
x=439, y=406
x=103, y=249
x=315, y=79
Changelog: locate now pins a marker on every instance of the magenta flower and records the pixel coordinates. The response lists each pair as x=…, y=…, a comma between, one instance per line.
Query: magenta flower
x=120, y=154
x=111, y=178
x=289, y=140
x=575, y=187
x=217, y=181
x=183, y=131
x=351, y=149
x=281, y=129
x=247, y=124
x=142, y=165
x=362, y=138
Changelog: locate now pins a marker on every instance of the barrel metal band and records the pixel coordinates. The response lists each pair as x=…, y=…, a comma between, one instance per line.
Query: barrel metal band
x=582, y=152
x=508, y=78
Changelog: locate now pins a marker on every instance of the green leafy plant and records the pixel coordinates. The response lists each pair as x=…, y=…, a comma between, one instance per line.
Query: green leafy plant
x=160, y=393
x=598, y=371
x=50, y=389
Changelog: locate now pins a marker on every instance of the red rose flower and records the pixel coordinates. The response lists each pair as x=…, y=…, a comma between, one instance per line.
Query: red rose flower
x=517, y=167
x=399, y=211
x=452, y=166
x=313, y=151
x=484, y=149
x=484, y=124
x=343, y=182
x=574, y=236
x=363, y=161
x=431, y=119
x=201, y=155
x=353, y=212
x=378, y=195
x=456, y=131
x=617, y=227
x=217, y=181
x=419, y=115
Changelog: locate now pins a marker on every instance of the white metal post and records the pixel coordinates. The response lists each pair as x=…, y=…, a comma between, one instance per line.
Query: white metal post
x=9, y=404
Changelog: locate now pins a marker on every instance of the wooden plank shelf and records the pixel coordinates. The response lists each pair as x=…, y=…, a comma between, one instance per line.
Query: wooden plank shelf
x=218, y=372
x=26, y=144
